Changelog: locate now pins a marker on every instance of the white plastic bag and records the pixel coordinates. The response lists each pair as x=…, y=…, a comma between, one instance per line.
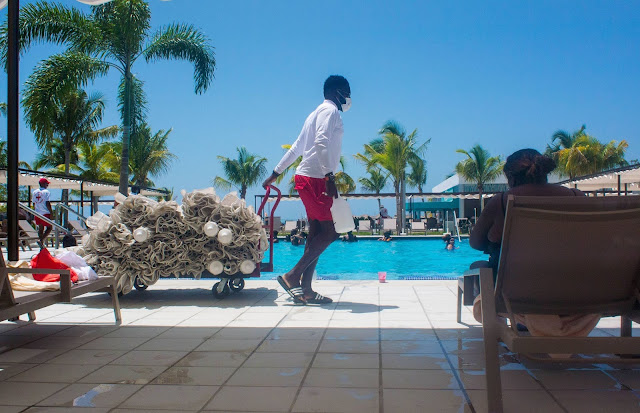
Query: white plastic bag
x=79, y=265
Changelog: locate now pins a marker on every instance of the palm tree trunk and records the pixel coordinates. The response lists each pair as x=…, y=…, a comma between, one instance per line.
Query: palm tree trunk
x=396, y=188
x=65, y=192
x=123, y=186
x=379, y=204
x=403, y=203
x=243, y=191
x=481, y=198
x=94, y=203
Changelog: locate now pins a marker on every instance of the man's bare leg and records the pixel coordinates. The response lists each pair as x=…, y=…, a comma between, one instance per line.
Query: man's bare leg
x=327, y=236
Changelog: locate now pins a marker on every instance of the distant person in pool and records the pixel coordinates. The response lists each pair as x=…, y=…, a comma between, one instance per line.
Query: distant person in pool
x=386, y=236
x=526, y=171
x=319, y=144
x=451, y=244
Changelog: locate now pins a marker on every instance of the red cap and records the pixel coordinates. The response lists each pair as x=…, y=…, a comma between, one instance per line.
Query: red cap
x=44, y=181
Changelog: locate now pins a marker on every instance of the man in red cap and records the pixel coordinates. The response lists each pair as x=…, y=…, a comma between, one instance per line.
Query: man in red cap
x=42, y=206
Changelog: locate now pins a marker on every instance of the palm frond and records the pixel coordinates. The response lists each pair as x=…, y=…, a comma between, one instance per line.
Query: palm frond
x=185, y=42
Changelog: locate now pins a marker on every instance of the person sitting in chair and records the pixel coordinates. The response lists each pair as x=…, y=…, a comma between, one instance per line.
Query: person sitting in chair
x=526, y=171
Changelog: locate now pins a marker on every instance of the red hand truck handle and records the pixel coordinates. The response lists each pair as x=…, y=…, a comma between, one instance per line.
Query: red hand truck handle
x=268, y=267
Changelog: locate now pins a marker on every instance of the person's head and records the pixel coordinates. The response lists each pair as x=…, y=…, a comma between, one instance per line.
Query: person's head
x=44, y=183
x=527, y=166
x=337, y=90
x=387, y=234
x=381, y=206
x=452, y=241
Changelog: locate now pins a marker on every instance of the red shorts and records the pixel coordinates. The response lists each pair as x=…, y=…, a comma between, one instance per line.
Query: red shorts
x=43, y=223
x=312, y=194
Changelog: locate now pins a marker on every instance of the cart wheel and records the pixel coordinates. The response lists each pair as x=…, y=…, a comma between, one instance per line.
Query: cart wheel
x=220, y=295
x=236, y=285
x=139, y=285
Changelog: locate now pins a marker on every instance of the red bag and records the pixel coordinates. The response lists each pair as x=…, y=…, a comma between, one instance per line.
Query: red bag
x=45, y=260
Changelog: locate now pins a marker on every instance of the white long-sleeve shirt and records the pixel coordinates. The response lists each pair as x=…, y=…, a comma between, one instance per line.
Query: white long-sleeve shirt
x=319, y=143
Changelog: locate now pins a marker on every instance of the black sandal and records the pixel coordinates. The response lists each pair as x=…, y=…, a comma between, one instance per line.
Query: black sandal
x=295, y=292
x=319, y=299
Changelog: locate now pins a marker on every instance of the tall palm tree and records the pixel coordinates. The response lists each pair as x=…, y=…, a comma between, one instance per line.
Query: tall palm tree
x=72, y=117
x=53, y=156
x=479, y=167
x=94, y=164
x=149, y=155
x=392, y=152
x=582, y=154
x=375, y=182
x=113, y=36
x=418, y=173
x=244, y=172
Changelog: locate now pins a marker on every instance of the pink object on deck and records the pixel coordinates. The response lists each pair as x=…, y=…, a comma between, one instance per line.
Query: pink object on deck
x=382, y=276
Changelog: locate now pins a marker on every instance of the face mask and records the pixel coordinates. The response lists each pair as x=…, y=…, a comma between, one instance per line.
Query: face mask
x=347, y=105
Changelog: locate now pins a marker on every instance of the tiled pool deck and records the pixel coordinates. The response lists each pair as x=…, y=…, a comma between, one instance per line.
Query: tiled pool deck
x=379, y=348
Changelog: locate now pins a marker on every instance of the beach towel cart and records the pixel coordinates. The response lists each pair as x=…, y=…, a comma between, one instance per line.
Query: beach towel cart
x=235, y=282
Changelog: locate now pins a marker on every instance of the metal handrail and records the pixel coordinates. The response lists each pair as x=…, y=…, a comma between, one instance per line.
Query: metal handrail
x=57, y=227
x=68, y=208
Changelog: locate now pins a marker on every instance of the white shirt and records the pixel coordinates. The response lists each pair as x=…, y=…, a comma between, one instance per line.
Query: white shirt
x=319, y=143
x=40, y=198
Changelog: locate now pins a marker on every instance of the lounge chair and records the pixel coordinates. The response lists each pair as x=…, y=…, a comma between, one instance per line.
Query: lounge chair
x=562, y=255
x=364, y=226
x=290, y=225
x=388, y=224
x=77, y=226
x=432, y=223
x=31, y=233
x=15, y=303
x=417, y=226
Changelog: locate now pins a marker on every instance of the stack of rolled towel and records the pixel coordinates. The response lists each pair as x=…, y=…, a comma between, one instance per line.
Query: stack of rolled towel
x=148, y=239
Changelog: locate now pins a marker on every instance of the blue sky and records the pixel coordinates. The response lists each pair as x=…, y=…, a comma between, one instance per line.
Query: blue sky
x=505, y=75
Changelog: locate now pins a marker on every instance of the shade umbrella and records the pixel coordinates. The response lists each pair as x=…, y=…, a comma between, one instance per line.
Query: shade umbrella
x=13, y=36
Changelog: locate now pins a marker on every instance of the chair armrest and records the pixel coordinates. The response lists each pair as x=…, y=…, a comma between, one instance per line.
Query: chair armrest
x=36, y=271
x=475, y=271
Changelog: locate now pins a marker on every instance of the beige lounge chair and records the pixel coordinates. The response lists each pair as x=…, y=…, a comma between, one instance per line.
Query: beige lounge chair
x=364, y=225
x=290, y=225
x=77, y=226
x=388, y=224
x=15, y=303
x=562, y=255
x=31, y=233
x=417, y=226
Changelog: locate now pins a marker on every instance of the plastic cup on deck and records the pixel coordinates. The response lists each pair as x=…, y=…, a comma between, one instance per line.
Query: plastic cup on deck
x=382, y=276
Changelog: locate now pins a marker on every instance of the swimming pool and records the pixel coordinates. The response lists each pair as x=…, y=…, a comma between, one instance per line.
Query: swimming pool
x=401, y=259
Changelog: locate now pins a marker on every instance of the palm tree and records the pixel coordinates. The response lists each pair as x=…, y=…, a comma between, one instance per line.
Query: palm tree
x=418, y=173
x=479, y=167
x=53, y=157
x=94, y=163
x=582, y=154
x=113, y=36
x=245, y=171
x=375, y=183
x=149, y=155
x=392, y=152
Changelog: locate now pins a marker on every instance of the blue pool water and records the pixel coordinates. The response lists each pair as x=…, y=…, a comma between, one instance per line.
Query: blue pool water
x=401, y=259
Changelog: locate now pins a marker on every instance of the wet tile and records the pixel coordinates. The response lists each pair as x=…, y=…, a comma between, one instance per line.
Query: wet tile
x=114, y=343
x=54, y=373
x=286, y=345
x=511, y=380
x=350, y=346
x=150, y=358
x=267, y=399
x=99, y=357
x=324, y=399
x=521, y=401
x=267, y=376
x=345, y=361
x=189, y=332
x=630, y=378
x=279, y=360
x=176, y=344
x=575, y=379
x=205, y=376
x=420, y=401
x=352, y=334
x=415, y=361
x=170, y=397
x=123, y=374
x=26, y=394
x=91, y=395
x=424, y=346
x=604, y=401
x=419, y=379
x=220, y=344
x=214, y=359
x=365, y=378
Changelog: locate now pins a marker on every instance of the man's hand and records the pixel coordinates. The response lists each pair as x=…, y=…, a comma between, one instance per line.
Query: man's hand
x=270, y=180
x=330, y=185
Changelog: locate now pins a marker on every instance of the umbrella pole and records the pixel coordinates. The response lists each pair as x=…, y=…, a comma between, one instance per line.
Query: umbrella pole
x=13, y=35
